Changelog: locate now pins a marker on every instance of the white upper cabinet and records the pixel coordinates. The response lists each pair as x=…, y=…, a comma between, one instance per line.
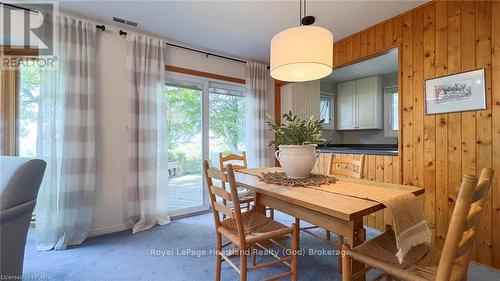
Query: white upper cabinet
x=301, y=98
x=360, y=104
x=346, y=100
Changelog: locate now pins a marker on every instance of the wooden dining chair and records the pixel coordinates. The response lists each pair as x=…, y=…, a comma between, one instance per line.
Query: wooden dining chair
x=341, y=166
x=424, y=262
x=347, y=166
x=246, y=230
x=322, y=165
x=239, y=162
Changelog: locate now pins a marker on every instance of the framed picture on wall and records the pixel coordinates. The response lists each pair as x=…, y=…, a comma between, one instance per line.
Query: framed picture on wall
x=455, y=93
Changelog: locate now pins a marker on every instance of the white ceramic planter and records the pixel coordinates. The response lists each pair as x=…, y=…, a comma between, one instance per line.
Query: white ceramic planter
x=297, y=161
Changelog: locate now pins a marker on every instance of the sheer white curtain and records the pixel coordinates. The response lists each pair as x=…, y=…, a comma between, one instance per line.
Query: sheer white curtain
x=148, y=158
x=66, y=137
x=259, y=100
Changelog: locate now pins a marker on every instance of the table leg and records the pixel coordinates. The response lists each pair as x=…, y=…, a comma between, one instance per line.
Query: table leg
x=259, y=207
x=356, y=238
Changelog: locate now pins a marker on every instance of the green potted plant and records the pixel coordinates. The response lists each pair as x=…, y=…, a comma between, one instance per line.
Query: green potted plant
x=297, y=140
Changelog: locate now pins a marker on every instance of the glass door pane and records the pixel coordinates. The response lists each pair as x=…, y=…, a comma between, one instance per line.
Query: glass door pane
x=29, y=94
x=185, y=149
x=226, y=121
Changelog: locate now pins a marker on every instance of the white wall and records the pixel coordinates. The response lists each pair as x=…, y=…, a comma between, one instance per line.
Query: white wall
x=111, y=140
x=111, y=119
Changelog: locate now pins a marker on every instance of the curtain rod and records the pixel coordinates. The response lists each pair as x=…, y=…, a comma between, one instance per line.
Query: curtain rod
x=124, y=33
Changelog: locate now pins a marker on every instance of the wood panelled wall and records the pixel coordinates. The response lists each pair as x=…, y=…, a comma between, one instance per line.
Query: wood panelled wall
x=440, y=38
x=377, y=168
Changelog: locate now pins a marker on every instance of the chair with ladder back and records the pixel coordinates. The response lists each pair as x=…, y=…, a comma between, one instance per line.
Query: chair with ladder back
x=431, y=264
x=239, y=162
x=246, y=230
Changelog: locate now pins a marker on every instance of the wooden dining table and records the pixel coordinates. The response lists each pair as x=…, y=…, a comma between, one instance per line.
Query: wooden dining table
x=334, y=212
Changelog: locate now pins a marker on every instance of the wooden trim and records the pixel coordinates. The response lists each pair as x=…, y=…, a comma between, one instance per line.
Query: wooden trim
x=8, y=102
x=277, y=101
x=368, y=56
x=18, y=51
x=400, y=113
x=204, y=74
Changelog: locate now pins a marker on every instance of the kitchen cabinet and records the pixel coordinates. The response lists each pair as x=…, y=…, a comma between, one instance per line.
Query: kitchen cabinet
x=301, y=98
x=360, y=104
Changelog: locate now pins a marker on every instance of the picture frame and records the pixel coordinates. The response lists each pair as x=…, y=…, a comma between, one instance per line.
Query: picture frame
x=464, y=91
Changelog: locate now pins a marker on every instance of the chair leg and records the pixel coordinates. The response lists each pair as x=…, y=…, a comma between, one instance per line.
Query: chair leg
x=253, y=256
x=346, y=263
x=340, y=242
x=295, y=248
x=243, y=266
x=297, y=223
x=218, y=260
x=271, y=213
x=328, y=235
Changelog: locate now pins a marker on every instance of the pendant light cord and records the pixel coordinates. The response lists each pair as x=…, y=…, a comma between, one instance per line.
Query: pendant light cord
x=302, y=10
x=305, y=8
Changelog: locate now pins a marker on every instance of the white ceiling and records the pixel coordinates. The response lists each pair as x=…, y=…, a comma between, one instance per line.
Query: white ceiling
x=381, y=65
x=241, y=29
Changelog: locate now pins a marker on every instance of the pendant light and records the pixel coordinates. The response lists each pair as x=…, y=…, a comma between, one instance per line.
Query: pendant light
x=302, y=53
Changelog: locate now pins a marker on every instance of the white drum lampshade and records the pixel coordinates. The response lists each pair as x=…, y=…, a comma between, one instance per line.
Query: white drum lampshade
x=302, y=53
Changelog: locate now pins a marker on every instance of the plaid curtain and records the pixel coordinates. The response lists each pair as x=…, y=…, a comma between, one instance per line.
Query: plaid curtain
x=148, y=159
x=66, y=137
x=259, y=101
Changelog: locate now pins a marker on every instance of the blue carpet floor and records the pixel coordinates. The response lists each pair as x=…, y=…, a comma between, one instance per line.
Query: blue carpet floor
x=157, y=254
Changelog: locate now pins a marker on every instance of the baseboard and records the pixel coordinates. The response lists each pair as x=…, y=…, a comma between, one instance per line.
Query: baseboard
x=110, y=229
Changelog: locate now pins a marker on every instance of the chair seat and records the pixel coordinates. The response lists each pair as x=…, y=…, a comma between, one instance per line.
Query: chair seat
x=254, y=224
x=419, y=264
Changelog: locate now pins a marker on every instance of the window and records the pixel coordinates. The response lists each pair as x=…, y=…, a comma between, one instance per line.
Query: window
x=391, y=116
x=29, y=92
x=326, y=110
x=19, y=103
x=226, y=119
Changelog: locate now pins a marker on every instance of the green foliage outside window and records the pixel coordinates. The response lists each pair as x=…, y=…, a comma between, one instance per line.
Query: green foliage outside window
x=226, y=127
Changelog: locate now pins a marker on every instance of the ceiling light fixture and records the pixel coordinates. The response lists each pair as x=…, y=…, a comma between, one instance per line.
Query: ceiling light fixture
x=302, y=53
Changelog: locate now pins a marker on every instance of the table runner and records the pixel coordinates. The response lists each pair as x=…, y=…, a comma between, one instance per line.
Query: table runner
x=410, y=225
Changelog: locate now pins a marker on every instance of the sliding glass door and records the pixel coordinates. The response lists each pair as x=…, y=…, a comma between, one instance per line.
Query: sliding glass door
x=185, y=147
x=205, y=117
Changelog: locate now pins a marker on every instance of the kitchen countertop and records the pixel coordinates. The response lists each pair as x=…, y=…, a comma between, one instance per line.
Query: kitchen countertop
x=369, y=149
